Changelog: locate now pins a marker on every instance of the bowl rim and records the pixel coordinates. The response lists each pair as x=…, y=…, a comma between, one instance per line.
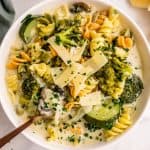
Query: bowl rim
x=109, y=4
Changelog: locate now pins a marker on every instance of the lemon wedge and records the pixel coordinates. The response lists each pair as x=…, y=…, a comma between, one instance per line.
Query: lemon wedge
x=141, y=3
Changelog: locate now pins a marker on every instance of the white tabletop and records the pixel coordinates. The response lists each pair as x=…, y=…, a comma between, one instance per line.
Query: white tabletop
x=138, y=138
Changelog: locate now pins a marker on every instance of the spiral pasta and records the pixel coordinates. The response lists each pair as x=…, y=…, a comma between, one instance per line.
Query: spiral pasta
x=97, y=42
x=120, y=126
x=42, y=70
x=101, y=17
x=86, y=28
x=12, y=82
x=125, y=42
x=106, y=27
x=52, y=135
x=45, y=29
x=90, y=85
x=114, y=18
x=15, y=61
x=110, y=24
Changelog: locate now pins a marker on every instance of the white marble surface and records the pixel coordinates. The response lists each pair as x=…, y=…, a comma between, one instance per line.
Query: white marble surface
x=137, y=139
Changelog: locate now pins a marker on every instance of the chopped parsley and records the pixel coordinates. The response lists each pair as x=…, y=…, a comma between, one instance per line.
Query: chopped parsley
x=86, y=134
x=70, y=116
x=71, y=138
x=56, y=95
x=69, y=62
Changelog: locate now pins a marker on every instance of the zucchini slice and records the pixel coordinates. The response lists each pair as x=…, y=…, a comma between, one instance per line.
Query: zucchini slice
x=28, y=28
x=104, y=115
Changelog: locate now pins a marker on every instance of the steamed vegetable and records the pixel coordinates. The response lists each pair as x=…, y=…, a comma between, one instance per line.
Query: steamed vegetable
x=29, y=87
x=103, y=116
x=65, y=24
x=69, y=37
x=28, y=28
x=112, y=77
x=132, y=89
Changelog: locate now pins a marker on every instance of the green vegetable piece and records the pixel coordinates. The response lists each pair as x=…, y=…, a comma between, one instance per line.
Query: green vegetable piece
x=112, y=77
x=103, y=116
x=28, y=28
x=132, y=89
x=69, y=37
x=29, y=87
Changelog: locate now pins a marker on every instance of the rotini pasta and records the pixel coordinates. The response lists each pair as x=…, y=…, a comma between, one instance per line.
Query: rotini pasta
x=45, y=30
x=12, y=82
x=15, y=62
x=52, y=135
x=106, y=27
x=86, y=28
x=97, y=43
x=90, y=85
x=125, y=42
x=121, y=125
x=42, y=70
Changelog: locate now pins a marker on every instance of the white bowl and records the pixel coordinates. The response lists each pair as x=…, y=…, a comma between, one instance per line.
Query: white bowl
x=9, y=40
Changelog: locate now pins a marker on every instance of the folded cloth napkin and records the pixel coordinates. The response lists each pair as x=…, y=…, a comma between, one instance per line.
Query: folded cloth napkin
x=7, y=14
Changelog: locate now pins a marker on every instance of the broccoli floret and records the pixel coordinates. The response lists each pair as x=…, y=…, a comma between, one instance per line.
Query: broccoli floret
x=132, y=89
x=29, y=87
x=69, y=37
x=65, y=24
x=112, y=77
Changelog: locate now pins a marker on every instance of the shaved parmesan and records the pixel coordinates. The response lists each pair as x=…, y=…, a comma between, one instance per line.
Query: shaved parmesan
x=96, y=62
x=67, y=75
x=61, y=51
x=77, y=52
x=56, y=71
x=91, y=99
x=89, y=67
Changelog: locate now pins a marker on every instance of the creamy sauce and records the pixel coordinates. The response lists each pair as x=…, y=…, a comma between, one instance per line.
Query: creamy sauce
x=134, y=59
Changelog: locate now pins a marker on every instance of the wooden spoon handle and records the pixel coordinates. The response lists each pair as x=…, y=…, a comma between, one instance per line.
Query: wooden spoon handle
x=15, y=132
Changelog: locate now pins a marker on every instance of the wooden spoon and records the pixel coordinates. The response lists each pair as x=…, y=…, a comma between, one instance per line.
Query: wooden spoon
x=47, y=114
x=16, y=131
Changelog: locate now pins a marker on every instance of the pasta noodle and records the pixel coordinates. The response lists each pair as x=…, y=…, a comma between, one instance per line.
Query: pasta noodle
x=15, y=62
x=90, y=85
x=42, y=70
x=12, y=82
x=87, y=31
x=70, y=105
x=45, y=30
x=106, y=27
x=13, y=96
x=51, y=133
x=125, y=42
x=120, y=126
